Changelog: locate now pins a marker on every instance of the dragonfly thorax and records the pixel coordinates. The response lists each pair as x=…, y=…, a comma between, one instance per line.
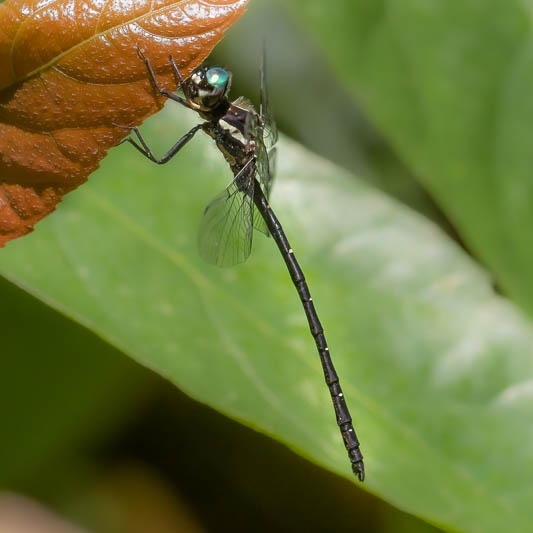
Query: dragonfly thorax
x=233, y=136
x=235, y=124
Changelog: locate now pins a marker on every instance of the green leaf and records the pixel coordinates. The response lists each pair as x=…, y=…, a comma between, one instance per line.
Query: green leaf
x=437, y=369
x=449, y=84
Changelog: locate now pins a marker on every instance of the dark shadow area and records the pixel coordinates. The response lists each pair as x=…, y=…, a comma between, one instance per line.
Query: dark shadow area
x=239, y=480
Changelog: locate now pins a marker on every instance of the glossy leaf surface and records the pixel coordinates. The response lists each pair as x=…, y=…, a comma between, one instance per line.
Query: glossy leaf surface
x=69, y=70
x=436, y=368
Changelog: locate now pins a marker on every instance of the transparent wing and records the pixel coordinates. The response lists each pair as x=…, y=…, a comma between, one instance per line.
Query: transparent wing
x=226, y=229
x=265, y=164
x=272, y=167
x=270, y=130
x=264, y=177
x=259, y=223
x=243, y=103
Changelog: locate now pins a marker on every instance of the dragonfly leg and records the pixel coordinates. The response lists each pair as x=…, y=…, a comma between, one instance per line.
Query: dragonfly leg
x=176, y=70
x=156, y=85
x=144, y=149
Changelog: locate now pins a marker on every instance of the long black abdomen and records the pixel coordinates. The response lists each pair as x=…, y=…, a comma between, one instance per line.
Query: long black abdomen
x=344, y=420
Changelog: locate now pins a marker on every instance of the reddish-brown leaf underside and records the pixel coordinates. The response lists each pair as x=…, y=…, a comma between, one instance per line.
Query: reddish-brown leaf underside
x=69, y=69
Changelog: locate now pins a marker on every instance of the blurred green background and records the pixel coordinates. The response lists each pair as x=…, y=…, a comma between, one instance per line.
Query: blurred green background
x=406, y=191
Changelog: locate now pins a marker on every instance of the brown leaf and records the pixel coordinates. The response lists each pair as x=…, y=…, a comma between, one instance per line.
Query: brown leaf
x=69, y=69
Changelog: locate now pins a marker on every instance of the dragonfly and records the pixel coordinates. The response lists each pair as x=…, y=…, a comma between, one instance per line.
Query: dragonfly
x=247, y=140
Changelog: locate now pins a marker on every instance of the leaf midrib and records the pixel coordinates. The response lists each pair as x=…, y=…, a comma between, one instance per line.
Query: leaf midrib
x=56, y=59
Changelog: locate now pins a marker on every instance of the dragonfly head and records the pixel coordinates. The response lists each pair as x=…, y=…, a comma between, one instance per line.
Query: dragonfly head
x=207, y=87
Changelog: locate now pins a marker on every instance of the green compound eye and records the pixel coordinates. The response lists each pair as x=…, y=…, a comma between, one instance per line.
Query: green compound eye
x=217, y=77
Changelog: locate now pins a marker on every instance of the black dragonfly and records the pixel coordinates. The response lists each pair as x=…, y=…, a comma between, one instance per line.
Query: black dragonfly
x=247, y=140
